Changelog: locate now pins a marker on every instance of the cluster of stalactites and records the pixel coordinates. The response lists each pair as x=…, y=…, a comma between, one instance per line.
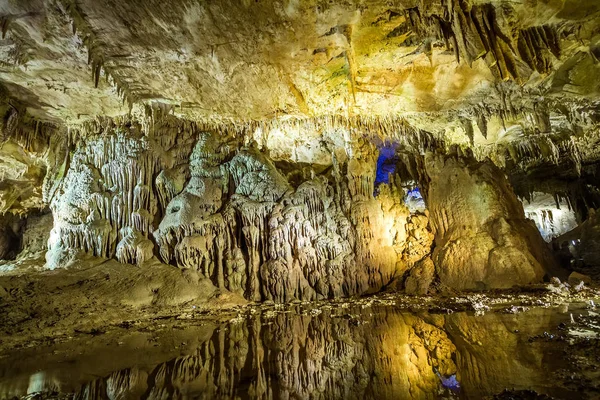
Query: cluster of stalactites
x=575, y=198
x=475, y=31
x=127, y=91
x=546, y=133
x=243, y=246
x=32, y=135
x=532, y=151
x=121, y=195
x=357, y=126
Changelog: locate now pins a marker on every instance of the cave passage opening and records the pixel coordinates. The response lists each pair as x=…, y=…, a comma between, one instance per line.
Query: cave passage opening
x=386, y=163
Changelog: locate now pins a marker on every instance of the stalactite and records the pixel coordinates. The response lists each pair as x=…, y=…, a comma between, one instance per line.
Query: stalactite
x=533, y=45
x=95, y=56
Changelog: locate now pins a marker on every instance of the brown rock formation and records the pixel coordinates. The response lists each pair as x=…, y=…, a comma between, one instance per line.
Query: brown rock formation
x=482, y=237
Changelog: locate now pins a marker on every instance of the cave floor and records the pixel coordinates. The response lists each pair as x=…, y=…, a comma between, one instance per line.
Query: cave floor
x=528, y=343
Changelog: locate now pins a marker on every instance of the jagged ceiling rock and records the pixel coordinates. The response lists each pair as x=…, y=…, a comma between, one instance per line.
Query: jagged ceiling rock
x=263, y=59
x=44, y=65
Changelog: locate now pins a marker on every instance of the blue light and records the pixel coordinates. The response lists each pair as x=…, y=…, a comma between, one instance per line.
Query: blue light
x=450, y=382
x=414, y=193
x=386, y=163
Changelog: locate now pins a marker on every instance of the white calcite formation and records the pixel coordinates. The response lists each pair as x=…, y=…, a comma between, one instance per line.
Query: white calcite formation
x=107, y=201
x=213, y=204
x=581, y=246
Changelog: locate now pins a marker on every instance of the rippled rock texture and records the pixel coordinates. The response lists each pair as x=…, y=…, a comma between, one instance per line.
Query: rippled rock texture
x=482, y=236
x=217, y=205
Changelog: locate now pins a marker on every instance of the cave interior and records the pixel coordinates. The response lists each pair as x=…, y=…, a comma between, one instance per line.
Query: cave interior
x=273, y=168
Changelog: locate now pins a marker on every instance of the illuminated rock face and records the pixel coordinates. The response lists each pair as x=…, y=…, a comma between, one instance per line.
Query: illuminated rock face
x=482, y=237
x=220, y=207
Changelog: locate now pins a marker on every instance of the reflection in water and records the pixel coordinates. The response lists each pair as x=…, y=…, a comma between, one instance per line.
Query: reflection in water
x=343, y=353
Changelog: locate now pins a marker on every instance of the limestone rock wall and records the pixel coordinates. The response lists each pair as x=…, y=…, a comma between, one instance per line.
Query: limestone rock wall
x=216, y=203
x=24, y=145
x=482, y=237
x=241, y=222
x=10, y=241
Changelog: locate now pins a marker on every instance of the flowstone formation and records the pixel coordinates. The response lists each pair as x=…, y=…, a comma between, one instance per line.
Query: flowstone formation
x=214, y=204
x=483, y=239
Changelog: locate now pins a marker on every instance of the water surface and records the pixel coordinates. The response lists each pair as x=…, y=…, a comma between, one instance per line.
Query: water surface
x=332, y=352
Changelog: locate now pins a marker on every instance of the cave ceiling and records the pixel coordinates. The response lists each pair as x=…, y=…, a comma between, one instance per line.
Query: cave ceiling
x=67, y=61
